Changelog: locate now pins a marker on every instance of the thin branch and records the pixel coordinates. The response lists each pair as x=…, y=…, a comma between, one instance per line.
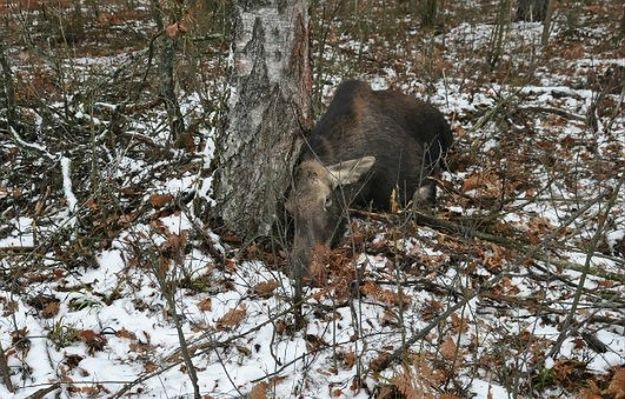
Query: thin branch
x=5, y=371
x=564, y=333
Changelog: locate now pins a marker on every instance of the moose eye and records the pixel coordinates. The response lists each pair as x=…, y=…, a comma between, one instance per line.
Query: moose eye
x=328, y=202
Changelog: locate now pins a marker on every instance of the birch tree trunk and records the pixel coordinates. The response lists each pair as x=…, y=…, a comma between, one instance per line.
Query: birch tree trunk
x=269, y=106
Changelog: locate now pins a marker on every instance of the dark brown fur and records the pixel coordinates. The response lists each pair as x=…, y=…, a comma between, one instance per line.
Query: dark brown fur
x=407, y=137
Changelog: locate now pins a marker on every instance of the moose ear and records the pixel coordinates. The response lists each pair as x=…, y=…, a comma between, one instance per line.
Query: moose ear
x=349, y=172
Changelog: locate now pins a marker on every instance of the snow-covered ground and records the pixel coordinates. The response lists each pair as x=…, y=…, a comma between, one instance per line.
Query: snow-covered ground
x=480, y=313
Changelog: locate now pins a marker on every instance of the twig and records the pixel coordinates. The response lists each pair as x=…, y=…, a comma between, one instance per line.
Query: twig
x=535, y=251
x=41, y=393
x=564, y=333
x=531, y=252
x=198, y=350
x=168, y=290
x=5, y=371
x=556, y=111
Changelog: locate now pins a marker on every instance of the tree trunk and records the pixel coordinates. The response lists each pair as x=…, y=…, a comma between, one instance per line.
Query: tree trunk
x=167, y=92
x=531, y=10
x=499, y=33
x=547, y=22
x=7, y=86
x=622, y=29
x=428, y=10
x=268, y=111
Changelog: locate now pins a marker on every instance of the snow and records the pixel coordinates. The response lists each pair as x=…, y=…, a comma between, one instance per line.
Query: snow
x=119, y=297
x=21, y=235
x=72, y=202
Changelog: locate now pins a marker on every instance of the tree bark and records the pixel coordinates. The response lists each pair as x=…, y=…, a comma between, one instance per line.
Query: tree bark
x=622, y=29
x=167, y=92
x=531, y=10
x=269, y=109
x=8, y=87
x=547, y=22
x=428, y=11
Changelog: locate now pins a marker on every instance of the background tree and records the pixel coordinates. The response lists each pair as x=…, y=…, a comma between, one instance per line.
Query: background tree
x=428, y=10
x=622, y=28
x=167, y=60
x=547, y=22
x=268, y=109
x=531, y=10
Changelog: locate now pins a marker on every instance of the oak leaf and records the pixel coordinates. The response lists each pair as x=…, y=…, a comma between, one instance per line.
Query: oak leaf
x=265, y=289
x=617, y=384
x=448, y=349
x=232, y=318
x=160, y=200
x=259, y=391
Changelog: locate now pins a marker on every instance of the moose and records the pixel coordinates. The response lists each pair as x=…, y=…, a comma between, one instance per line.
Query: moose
x=368, y=147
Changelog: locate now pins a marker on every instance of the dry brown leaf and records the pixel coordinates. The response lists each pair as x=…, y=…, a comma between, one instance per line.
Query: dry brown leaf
x=417, y=382
x=205, y=305
x=123, y=333
x=495, y=259
x=377, y=364
x=51, y=309
x=232, y=318
x=140, y=347
x=266, y=288
x=488, y=184
x=150, y=366
x=448, y=349
x=431, y=310
x=564, y=369
x=244, y=350
x=459, y=324
x=389, y=318
x=349, y=360
x=160, y=200
x=318, y=265
x=314, y=343
x=93, y=340
x=617, y=384
x=373, y=290
x=259, y=391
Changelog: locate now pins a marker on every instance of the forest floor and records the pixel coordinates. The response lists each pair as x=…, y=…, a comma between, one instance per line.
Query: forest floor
x=513, y=286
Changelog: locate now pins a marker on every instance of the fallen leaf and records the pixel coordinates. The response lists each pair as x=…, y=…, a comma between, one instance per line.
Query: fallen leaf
x=160, y=200
x=265, y=289
x=259, y=391
x=448, y=349
x=205, y=305
x=51, y=309
x=379, y=362
x=617, y=384
x=123, y=333
x=93, y=340
x=373, y=290
x=232, y=318
x=150, y=366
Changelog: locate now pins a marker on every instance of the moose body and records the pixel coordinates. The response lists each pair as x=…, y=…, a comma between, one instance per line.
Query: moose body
x=368, y=147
